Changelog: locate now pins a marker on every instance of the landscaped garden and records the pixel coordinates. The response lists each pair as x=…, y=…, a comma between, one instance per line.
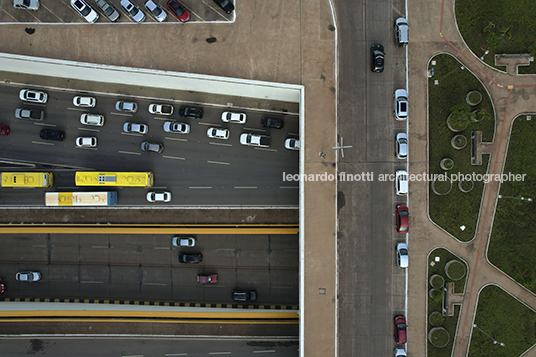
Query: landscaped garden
x=504, y=326
x=443, y=268
x=498, y=26
x=512, y=246
x=458, y=104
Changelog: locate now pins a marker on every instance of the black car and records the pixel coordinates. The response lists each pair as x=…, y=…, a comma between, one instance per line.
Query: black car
x=50, y=134
x=244, y=295
x=271, y=123
x=226, y=5
x=191, y=112
x=378, y=56
x=190, y=258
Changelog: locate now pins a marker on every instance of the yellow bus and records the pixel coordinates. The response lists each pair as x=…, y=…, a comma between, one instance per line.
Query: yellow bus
x=81, y=198
x=122, y=179
x=26, y=179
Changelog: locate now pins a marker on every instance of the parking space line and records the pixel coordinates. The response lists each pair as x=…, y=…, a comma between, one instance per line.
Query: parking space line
x=240, y=187
x=165, y=119
x=176, y=139
x=42, y=143
x=200, y=187
x=265, y=149
x=220, y=144
x=219, y=162
x=173, y=157
x=219, y=353
x=292, y=134
x=175, y=354
x=100, y=246
x=129, y=153
x=162, y=248
x=88, y=129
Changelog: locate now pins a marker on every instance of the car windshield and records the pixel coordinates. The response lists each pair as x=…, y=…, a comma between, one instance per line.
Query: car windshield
x=134, y=11
x=403, y=213
x=157, y=11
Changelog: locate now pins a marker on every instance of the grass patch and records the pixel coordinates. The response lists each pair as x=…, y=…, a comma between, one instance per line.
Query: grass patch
x=506, y=320
x=456, y=208
x=498, y=26
x=435, y=304
x=512, y=246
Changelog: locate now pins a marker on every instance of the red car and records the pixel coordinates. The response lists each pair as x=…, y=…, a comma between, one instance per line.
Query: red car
x=400, y=330
x=207, y=278
x=402, y=219
x=178, y=10
x=4, y=130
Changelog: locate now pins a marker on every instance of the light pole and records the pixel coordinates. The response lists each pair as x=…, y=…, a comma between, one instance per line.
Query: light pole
x=323, y=154
x=494, y=340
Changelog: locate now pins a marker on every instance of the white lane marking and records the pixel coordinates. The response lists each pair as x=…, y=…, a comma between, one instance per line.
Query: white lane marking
x=289, y=186
x=267, y=351
x=130, y=153
x=79, y=109
x=124, y=114
x=255, y=129
x=220, y=144
x=218, y=162
x=219, y=353
x=210, y=124
x=161, y=247
x=177, y=139
x=132, y=134
x=39, y=142
x=156, y=284
x=292, y=134
x=91, y=282
x=88, y=129
x=132, y=355
x=200, y=187
x=95, y=149
x=245, y=187
x=265, y=149
x=44, y=124
x=175, y=354
x=100, y=246
x=173, y=157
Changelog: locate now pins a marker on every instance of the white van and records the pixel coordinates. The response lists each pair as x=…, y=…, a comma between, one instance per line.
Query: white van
x=401, y=32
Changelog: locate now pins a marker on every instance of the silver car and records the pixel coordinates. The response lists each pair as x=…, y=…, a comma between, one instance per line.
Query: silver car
x=218, y=133
x=183, y=241
x=401, y=104
x=126, y=107
x=109, y=11
x=401, y=146
x=86, y=142
x=133, y=11
x=176, y=127
x=92, y=119
x=28, y=276
x=85, y=10
x=26, y=4
x=135, y=128
x=158, y=13
x=230, y=117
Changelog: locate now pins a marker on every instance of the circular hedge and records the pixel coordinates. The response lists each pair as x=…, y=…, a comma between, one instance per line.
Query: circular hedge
x=441, y=187
x=446, y=164
x=437, y=281
x=473, y=98
x=436, y=319
x=455, y=270
x=458, y=141
x=436, y=294
x=458, y=121
x=466, y=185
x=439, y=337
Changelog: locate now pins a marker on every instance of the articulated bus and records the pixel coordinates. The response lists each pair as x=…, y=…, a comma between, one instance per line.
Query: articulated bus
x=81, y=198
x=122, y=179
x=26, y=179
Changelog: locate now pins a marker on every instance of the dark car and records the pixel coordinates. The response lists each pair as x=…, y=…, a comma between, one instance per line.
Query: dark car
x=378, y=56
x=178, y=10
x=191, y=112
x=244, y=295
x=51, y=134
x=226, y=5
x=149, y=146
x=402, y=219
x=4, y=130
x=29, y=114
x=190, y=258
x=400, y=330
x=271, y=123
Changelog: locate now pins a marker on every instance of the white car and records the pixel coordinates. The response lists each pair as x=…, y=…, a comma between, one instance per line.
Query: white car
x=401, y=104
x=92, y=119
x=126, y=107
x=292, y=144
x=176, y=127
x=400, y=352
x=401, y=145
x=85, y=10
x=133, y=11
x=26, y=4
x=230, y=117
x=218, y=133
x=28, y=276
x=250, y=139
x=183, y=241
x=402, y=255
x=401, y=178
x=158, y=196
x=86, y=142
x=135, y=128
x=84, y=102
x=158, y=13
x=161, y=109
x=35, y=96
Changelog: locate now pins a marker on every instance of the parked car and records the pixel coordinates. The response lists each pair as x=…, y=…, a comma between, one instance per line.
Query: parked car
x=133, y=11
x=126, y=107
x=402, y=219
x=378, y=57
x=401, y=32
x=108, y=9
x=4, y=130
x=226, y=5
x=86, y=142
x=401, y=104
x=190, y=258
x=28, y=276
x=84, y=102
x=218, y=133
x=250, y=139
x=178, y=10
x=401, y=178
x=402, y=255
x=207, y=278
x=400, y=330
x=154, y=196
x=176, y=127
x=292, y=144
x=401, y=146
x=183, y=241
x=51, y=134
x=160, y=109
x=85, y=10
x=244, y=295
x=400, y=352
x=135, y=128
x=271, y=123
x=26, y=4
x=34, y=96
x=148, y=146
x=29, y=114
x=230, y=117
x=158, y=13
x=191, y=112
x=92, y=119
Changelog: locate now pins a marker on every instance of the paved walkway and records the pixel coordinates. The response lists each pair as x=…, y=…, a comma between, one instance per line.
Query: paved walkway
x=431, y=34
